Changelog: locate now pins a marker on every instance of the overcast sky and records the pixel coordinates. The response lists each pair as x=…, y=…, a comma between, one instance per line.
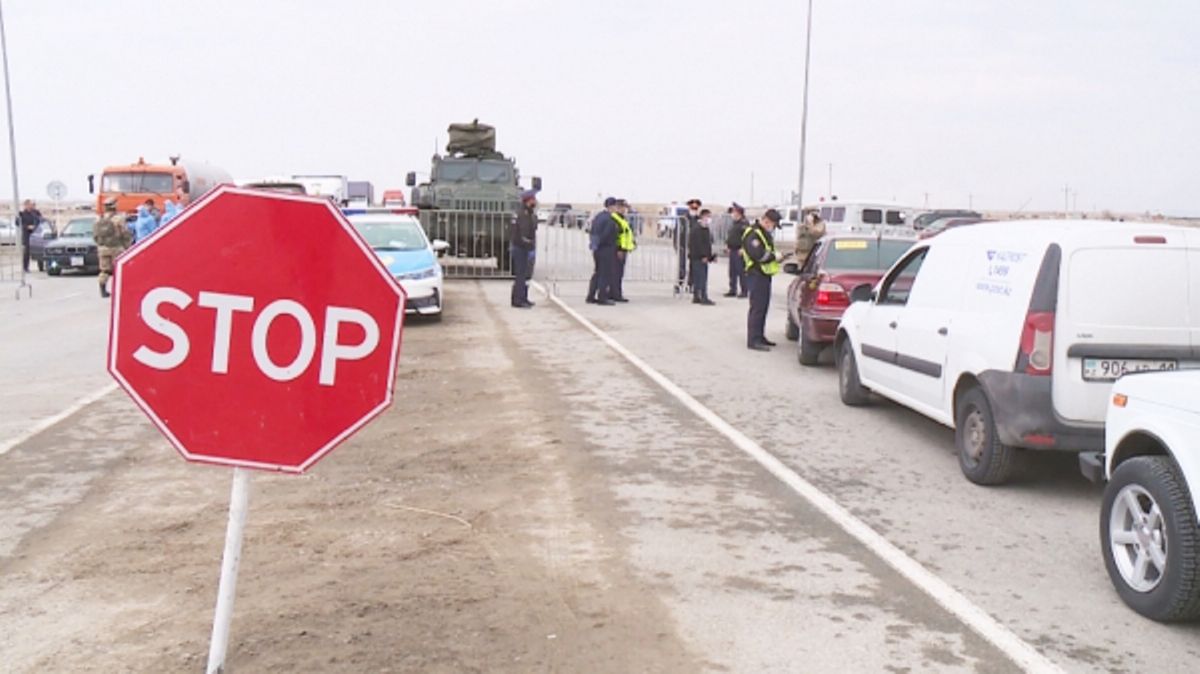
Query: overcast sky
x=650, y=99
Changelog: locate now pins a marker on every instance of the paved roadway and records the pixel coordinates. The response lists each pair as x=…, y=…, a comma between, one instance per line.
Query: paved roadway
x=753, y=576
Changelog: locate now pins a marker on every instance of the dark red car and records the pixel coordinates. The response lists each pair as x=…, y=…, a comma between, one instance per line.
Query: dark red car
x=821, y=290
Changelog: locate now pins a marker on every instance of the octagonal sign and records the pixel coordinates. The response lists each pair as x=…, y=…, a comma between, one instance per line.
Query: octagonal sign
x=256, y=329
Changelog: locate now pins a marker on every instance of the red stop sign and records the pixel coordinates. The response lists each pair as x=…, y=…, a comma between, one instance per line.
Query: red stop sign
x=256, y=329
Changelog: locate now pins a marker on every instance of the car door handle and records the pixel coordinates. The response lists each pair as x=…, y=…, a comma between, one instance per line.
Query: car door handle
x=892, y=325
x=943, y=331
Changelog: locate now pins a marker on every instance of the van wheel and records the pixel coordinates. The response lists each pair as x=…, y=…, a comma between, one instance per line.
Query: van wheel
x=850, y=388
x=54, y=271
x=792, y=332
x=1151, y=540
x=983, y=458
x=810, y=351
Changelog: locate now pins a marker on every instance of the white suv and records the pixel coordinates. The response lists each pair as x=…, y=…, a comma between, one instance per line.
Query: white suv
x=1013, y=333
x=1149, y=532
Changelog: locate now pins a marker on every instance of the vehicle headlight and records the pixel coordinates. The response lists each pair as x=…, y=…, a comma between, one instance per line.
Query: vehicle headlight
x=418, y=275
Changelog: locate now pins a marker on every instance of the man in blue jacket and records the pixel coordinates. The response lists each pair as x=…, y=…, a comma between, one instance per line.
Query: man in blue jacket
x=604, y=254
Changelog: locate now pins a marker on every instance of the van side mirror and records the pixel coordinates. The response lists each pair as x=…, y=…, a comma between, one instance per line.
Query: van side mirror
x=91, y=183
x=862, y=293
x=440, y=247
x=537, y=184
x=410, y=180
x=791, y=268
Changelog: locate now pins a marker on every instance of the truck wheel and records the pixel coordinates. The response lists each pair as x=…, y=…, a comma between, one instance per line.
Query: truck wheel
x=851, y=390
x=983, y=458
x=1151, y=540
x=792, y=331
x=810, y=351
x=54, y=271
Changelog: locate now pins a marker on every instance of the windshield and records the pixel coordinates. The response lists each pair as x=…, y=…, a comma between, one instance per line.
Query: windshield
x=495, y=172
x=139, y=182
x=851, y=254
x=78, y=227
x=391, y=234
x=452, y=171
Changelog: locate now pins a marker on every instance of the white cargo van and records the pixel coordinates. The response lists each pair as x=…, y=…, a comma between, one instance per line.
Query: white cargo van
x=1012, y=333
x=861, y=215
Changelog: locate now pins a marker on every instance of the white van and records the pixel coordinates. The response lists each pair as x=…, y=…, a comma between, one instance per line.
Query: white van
x=860, y=215
x=1012, y=333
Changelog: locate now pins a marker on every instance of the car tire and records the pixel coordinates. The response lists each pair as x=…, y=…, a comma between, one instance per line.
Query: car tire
x=41, y=265
x=792, y=331
x=983, y=458
x=1148, y=483
x=810, y=352
x=54, y=271
x=850, y=387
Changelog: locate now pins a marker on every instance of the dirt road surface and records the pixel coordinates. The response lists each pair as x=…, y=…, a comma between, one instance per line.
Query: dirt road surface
x=533, y=503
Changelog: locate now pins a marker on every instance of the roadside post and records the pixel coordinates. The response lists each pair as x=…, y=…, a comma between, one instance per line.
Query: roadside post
x=256, y=330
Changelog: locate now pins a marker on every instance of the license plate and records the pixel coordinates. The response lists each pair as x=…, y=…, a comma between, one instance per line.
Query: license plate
x=1112, y=369
x=76, y=261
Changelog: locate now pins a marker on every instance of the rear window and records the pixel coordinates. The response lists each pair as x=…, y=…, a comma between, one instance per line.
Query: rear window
x=850, y=254
x=895, y=218
x=872, y=216
x=1141, y=287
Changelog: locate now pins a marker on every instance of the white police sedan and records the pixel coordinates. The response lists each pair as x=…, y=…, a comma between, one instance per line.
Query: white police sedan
x=396, y=236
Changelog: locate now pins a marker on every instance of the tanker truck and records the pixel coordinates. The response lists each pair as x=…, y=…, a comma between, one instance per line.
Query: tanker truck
x=470, y=198
x=133, y=184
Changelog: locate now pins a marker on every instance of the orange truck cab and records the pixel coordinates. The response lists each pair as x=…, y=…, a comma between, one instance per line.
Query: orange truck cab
x=132, y=184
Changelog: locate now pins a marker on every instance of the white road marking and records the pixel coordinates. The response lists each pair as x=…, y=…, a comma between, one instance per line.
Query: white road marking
x=1024, y=655
x=8, y=445
x=66, y=297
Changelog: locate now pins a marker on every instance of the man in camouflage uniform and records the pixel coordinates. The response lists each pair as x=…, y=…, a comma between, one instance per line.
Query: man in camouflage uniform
x=808, y=234
x=112, y=237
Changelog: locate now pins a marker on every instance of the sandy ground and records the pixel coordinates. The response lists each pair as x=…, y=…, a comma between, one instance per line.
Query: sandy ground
x=445, y=537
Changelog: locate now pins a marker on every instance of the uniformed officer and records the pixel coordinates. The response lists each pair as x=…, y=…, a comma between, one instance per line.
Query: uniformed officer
x=625, y=246
x=810, y=232
x=112, y=236
x=522, y=242
x=733, y=244
x=762, y=262
x=603, y=242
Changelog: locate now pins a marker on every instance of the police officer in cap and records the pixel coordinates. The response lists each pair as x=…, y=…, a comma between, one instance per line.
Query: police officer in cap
x=762, y=263
x=603, y=242
x=522, y=243
x=733, y=243
x=112, y=237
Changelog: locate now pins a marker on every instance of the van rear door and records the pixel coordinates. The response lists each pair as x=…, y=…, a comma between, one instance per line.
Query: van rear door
x=1123, y=308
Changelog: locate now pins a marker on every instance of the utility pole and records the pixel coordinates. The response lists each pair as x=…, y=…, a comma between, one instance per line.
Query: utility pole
x=1066, y=199
x=970, y=202
x=804, y=109
x=830, y=193
x=12, y=151
x=926, y=199
x=752, y=189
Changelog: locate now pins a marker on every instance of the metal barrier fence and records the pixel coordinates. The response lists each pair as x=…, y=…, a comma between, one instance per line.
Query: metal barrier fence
x=11, y=275
x=477, y=238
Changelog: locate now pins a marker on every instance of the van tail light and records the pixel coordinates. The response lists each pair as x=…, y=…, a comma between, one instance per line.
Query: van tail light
x=1037, y=343
x=832, y=295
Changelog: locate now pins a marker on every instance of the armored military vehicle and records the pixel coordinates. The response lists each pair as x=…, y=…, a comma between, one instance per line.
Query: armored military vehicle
x=470, y=198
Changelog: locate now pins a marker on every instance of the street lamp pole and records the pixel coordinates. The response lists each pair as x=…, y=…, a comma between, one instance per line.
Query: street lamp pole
x=804, y=109
x=12, y=151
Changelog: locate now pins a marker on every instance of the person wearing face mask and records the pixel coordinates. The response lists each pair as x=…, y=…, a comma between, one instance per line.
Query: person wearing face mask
x=700, y=253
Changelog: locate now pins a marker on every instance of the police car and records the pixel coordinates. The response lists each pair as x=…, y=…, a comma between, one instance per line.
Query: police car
x=396, y=236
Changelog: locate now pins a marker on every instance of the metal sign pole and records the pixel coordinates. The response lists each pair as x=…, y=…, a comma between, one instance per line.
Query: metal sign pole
x=238, y=501
x=804, y=112
x=12, y=151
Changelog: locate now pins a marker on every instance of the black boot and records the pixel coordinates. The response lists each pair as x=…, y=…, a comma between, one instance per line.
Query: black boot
x=104, y=292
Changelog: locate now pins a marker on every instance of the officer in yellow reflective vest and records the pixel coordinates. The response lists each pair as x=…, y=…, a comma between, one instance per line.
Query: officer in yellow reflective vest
x=625, y=246
x=762, y=262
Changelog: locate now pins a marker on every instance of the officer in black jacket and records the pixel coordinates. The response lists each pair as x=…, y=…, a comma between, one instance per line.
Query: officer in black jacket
x=522, y=243
x=733, y=244
x=700, y=253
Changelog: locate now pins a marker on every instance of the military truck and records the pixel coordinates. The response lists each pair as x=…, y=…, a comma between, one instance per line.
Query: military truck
x=470, y=197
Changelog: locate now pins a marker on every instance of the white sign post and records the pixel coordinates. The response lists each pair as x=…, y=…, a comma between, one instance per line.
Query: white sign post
x=239, y=499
